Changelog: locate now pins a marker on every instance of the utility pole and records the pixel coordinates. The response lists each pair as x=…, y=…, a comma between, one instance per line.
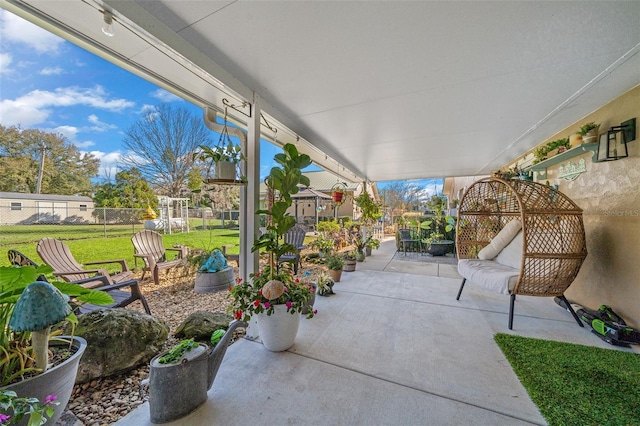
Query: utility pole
x=43, y=150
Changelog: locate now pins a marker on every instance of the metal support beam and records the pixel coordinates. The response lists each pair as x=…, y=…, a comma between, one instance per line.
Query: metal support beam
x=250, y=195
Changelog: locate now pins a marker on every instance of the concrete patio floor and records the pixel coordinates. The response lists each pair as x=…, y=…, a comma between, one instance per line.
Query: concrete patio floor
x=392, y=347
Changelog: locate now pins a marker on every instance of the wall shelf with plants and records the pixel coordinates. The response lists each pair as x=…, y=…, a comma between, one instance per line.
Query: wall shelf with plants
x=541, y=167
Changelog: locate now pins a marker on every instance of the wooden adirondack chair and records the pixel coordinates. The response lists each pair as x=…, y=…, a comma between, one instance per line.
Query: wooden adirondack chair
x=56, y=254
x=295, y=237
x=148, y=246
x=121, y=298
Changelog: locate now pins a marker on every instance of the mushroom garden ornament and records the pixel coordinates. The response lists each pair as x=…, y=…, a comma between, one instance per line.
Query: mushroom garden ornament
x=39, y=307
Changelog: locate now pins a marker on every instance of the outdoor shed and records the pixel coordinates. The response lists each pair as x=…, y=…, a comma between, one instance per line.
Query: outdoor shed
x=25, y=209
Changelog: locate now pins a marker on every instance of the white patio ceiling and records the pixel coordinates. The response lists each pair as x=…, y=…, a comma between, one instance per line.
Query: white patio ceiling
x=391, y=89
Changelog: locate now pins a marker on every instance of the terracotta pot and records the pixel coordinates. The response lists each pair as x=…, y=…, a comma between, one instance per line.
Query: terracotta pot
x=335, y=275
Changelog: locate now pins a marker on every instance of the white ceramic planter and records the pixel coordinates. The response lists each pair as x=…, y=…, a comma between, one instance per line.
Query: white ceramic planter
x=57, y=381
x=278, y=331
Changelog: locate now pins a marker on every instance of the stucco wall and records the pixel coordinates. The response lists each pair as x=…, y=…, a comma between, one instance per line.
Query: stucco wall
x=609, y=193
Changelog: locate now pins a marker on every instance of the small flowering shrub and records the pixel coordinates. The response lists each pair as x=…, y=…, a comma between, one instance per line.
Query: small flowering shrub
x=13, y=409
x=248, y=299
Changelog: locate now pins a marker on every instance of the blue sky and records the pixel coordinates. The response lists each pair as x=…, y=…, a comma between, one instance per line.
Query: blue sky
x=50, y=84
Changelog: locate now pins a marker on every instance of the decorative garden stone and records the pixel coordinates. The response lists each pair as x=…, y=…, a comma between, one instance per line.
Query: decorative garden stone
x=117, y=341
x=201, y=324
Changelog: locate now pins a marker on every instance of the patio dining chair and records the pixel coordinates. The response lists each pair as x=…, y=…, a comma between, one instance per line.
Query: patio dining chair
x=149, y=247
x=408, y=237
x=295, y=237
x=121, y=298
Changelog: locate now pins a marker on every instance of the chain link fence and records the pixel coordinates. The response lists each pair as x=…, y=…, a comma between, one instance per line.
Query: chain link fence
x=20, y=223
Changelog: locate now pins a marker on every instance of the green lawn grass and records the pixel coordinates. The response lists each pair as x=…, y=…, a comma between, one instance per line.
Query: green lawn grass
x=575, y=384
x=89, y=244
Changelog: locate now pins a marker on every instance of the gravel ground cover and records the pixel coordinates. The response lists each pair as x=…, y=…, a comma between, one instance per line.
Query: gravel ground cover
x=105, y=401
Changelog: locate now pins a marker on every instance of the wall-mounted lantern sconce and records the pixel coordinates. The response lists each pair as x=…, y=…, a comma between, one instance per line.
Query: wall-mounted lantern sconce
x=613, y=143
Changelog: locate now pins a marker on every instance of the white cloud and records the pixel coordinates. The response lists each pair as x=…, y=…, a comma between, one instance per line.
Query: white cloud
x=110, y=164
x=99, y=126
x=51, y=71
x=69, y=132
x=5, y=61
x=35, y=106
x=165, y=96
x=84, y=144
x=14, y=29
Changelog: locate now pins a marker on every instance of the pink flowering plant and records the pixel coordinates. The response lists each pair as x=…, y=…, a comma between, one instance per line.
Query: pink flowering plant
x=248, y=298
x=275, y=284
x=14, y=409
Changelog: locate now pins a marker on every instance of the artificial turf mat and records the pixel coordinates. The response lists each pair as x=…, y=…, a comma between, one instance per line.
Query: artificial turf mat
x=575, y=384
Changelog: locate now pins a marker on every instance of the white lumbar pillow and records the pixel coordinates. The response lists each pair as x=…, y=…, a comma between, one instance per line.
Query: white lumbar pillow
x=501, y=240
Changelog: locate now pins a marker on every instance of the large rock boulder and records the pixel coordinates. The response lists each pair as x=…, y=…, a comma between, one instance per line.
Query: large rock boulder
x=117, y=341
x=201, y=324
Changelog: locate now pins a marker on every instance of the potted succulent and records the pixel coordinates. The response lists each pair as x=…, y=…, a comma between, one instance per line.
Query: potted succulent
x=273, y=295
x=589, y=132
x=335, y=263
x=28, y=311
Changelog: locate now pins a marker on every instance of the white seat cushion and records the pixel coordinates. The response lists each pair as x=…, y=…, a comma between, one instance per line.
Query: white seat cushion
x=489, y=274
x=511, y=255
x=501, y=240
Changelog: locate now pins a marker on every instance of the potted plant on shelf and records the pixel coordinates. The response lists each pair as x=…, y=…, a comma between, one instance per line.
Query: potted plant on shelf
x=273, y=295
x=589, y=132
x=28, y=310
x=335, y=263
x=550, y=149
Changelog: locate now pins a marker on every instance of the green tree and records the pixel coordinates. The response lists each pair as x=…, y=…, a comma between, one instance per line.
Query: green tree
x=131, y=190
x=67, y=171
x=161, y=145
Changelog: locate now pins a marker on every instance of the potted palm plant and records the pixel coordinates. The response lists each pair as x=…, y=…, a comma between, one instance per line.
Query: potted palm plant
x=28, y=311
x=274, y=295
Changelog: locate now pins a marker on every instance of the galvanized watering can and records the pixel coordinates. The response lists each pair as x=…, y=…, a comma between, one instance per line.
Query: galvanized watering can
x=175, y=390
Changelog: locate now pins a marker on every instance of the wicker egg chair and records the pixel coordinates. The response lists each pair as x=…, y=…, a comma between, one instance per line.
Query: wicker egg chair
x=553, y=239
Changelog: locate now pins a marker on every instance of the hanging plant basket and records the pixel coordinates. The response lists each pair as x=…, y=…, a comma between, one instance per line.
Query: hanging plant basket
x=226, y=159
x=337, y=193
